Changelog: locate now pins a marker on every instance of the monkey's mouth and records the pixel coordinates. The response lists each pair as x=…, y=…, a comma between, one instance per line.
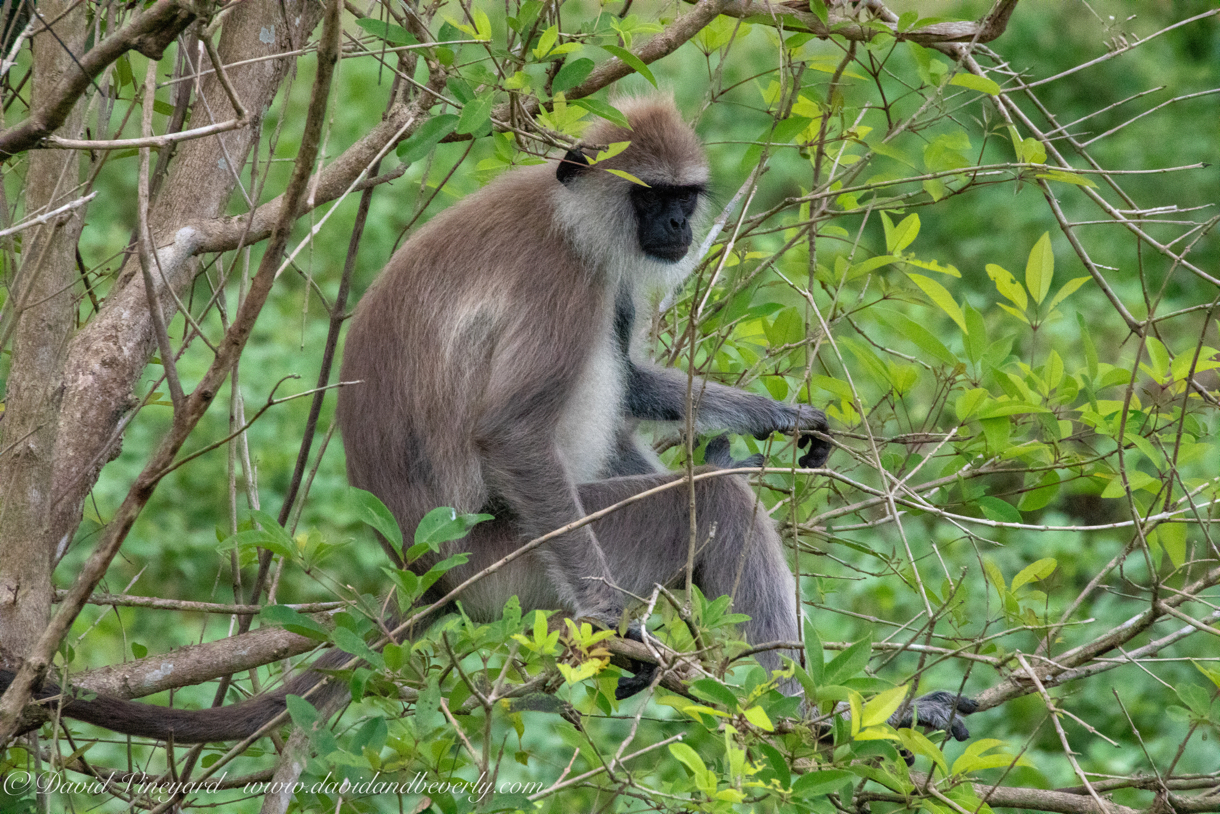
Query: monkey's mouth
x=667, y=253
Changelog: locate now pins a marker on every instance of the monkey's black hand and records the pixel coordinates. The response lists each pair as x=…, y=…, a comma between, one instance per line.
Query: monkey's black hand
x=939, y=710
x=643, y=671
x=804, y=421
x=716, y=453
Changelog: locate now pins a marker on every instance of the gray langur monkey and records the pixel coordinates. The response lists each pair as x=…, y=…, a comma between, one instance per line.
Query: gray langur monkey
x=493, y=367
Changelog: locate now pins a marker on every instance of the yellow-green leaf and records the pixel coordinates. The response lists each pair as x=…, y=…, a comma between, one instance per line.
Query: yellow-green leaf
x=1007, y=285
x=1040, y=268
x=688, y=757
x=1065, y=177
x=585, y=670
x=941, y=296
x=758, y=717
x=883, y=705
x=1173, y=540
x=980, y=83
x=1034, y=572
x=628, y=176
x=918, y=743
x=634, y=62
x=975, y=757
x=899, y=237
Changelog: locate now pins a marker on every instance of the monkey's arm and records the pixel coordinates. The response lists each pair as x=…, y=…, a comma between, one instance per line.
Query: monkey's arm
x=659, y=394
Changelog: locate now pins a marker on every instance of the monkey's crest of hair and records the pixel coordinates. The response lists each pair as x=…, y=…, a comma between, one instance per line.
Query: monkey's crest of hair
x=663, y=147
x=593, y=210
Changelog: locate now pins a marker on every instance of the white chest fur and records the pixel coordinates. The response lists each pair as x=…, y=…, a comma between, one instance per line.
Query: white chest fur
x=591, y=418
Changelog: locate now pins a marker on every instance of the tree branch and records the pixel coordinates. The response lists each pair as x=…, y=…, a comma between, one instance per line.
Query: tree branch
x=149, y=33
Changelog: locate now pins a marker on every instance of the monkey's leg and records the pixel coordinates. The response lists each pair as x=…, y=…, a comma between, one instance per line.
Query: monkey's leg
x=646, y=543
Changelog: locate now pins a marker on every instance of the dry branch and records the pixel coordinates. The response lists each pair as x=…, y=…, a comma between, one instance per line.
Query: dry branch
x=149, y=33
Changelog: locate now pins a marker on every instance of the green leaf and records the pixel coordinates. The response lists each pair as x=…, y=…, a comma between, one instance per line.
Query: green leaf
x=688, y=757
x=1007, y=285
x=1136, y=479
x=976, y=336
x=941, y=296
x=626, y=176
x=1173, y=540
x=476, y=114
x=1001, y=409
x=918, y=334
x=918, y=743
x=899, y=237
x=546, y=42
x=932, y=265
x=444, y=524
x=996, y=577
x=1034, y=572
x=836, y=387
x=1196, y=699
x=980, y=83
x=850, y=662
x=600, y=108
x=814, y=658
x=818, y=7
x=815, y=784
x=1063, y=176
x=999, y=510
x=777, y=763
x=974, y=757
x=354, y=644
x=1040, y=268
x=1213, y=674
x=1090, y=350
x=122, y=71
x=1044, y=493
x=787, y=130
x=393, y=34
x=997, y=431
x=935, y=188
x=373, y=512
x=1158, y=357
x=709, y=689
x=572, y=74
x=298, y=623
x=879, y=709
x=758, y=717
x=302, y=712
x=423, y=140
x=632, y=61
x=969, y=402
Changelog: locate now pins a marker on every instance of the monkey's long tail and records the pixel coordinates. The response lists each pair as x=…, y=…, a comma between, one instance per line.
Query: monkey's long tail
x=232, y=722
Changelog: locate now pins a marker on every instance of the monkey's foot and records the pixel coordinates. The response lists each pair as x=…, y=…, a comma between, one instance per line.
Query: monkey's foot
x=937, y=710
x=644, y=672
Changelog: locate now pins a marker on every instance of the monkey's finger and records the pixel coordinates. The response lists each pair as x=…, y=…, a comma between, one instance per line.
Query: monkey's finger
x=816, y=454
x=966, y=705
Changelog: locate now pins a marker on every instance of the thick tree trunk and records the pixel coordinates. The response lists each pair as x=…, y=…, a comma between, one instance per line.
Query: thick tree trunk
x=45, y=321
x=109, y=354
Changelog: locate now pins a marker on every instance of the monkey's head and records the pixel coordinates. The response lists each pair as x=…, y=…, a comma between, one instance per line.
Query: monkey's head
x=657, y=219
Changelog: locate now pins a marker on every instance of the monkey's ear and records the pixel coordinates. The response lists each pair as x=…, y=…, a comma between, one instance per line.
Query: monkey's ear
x=571, y=165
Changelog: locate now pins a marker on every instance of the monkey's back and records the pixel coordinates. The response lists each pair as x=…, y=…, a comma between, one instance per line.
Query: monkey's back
x=446, y=356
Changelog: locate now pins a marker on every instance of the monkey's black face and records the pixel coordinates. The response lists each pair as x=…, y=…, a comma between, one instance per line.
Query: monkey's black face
x=662, y=215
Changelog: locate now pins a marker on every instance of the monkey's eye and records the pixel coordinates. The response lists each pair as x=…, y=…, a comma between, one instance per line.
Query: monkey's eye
x=687, y=198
